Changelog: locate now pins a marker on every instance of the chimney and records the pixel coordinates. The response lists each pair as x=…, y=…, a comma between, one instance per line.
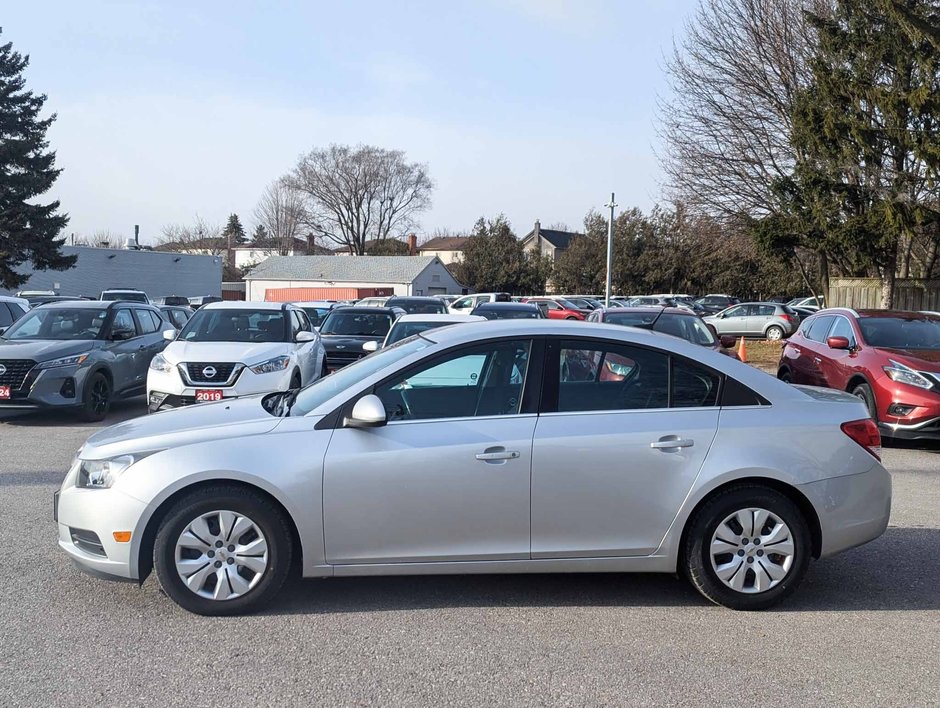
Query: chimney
x=412, y=245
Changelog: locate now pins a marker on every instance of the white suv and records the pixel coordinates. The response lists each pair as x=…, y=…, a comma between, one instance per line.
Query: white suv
x=465, y=305
x=231, y=349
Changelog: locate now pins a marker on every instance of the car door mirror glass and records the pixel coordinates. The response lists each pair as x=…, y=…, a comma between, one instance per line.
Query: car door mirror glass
x=368, y=412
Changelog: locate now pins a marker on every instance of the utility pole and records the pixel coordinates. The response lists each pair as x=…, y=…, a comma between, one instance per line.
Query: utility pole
x=610, y=247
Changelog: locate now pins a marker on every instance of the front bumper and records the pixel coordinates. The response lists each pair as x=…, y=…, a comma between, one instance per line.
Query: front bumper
x=87, y=520
x=60, y=387
x=921, y=422
x=166, y=390
x=852, y=509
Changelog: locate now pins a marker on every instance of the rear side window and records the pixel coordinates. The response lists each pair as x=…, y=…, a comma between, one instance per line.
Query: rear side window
x=692, y=386
x=819, y=328
x=764, y=310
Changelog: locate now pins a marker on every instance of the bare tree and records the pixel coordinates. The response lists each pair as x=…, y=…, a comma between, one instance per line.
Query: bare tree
x=282, y=213
x=102, y=238
x=362, y=193
x=199, y=237
x=727, y=126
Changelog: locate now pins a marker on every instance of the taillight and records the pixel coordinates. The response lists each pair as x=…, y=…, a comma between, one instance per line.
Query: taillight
x=786, y=317
x=865, y=433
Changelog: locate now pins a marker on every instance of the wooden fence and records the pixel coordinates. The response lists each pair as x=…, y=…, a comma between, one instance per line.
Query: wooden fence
x=865, y=294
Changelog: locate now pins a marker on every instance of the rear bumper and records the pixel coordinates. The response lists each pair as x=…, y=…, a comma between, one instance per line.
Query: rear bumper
x=853, y=509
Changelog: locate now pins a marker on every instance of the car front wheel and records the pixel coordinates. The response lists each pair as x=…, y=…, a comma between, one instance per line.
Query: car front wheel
x=747, y=548
x=864, y=392
x=96, y=398
x=223, y=550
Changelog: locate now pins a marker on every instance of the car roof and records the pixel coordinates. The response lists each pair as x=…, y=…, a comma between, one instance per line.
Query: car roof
x=652, y=309
x=903, y=314
x=365, y=309
x=245, y=305
x=413, y=297
x=89, y=304
x=439, y=318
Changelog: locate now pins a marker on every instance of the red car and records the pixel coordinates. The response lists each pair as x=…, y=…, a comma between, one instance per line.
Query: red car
x=557, y=308
x=676, y=321
x=889, y=359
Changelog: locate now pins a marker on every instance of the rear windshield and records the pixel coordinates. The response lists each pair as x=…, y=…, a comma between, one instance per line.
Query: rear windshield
x=901, y=333
x=403, y=330
x=126, y=296
x=631, y=319
x=356, y=323
x=507, y=314
x=236, y=326
x=420, y=307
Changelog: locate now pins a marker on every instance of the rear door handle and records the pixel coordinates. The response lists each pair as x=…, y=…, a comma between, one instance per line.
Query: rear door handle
x=671, y=444
x=817, y=359
x=491, y=455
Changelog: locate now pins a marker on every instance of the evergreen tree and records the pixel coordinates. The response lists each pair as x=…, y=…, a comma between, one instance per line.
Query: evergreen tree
x=260, y=238
x=28, y=230
x=234, y=232
x=494, y=260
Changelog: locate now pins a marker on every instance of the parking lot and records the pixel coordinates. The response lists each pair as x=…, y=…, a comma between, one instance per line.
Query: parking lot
x=862, y=630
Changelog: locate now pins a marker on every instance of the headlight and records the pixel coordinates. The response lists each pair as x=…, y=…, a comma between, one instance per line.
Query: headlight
x=101, y=474
x=73, y=360
x=278, y=363
x=906, y=375
x=159, y=363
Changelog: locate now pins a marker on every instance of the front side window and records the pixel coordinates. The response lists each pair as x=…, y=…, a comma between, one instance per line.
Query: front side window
x=124, y=324
x=178, y=318
x=464, y=303
x=356, y=324
x=482, y=380
x=736, y=312
x=842, y=328
x=611, y=376
x=235, y=326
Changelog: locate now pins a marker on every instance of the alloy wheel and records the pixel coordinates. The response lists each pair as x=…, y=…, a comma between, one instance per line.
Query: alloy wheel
x=100, y=394
x=752, y=550
x=221, y=555
x=774, y=334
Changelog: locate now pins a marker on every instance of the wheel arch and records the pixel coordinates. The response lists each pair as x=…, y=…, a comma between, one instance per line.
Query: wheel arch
x=145, y=549
x=787, y=490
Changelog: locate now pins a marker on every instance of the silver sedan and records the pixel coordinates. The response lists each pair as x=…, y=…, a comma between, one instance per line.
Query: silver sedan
x=509, y=446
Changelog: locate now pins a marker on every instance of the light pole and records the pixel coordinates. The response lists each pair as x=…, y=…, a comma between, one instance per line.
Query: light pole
x=610, y=247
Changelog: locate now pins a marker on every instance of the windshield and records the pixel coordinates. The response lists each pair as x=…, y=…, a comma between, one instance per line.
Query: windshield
x=357, y=324
x=58, y=323
x=508, y=314
x=900, y=332
x=568, y=305
x=126, y=296
x=403, y=330
x=419, y=307
x=235, y=326
x=686, y=327
x=323, y=389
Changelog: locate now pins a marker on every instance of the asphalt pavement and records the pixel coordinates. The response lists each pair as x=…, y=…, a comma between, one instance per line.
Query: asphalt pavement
x=863, y=630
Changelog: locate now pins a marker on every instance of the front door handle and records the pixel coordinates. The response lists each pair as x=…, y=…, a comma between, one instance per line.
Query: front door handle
x=672, y=443
x=490, y=455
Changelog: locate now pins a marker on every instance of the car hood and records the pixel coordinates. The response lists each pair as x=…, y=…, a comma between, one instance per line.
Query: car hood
x=44, y=349
x=919, y=359
x=243, y=352
x=231, y=418
x=345, y=342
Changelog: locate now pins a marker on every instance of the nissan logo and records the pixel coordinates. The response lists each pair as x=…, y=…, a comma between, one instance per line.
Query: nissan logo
x=209, y=372
x=3, y=369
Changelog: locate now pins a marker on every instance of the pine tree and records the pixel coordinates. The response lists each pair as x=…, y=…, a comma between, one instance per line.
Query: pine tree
x=28, y=230
x=260, y=237
x=234, y=232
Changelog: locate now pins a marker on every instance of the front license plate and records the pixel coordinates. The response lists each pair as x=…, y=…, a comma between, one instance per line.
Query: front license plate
x=208, y=395
x=4, y=391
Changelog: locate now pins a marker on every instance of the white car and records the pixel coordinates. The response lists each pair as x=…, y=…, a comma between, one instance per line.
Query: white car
x=11, y=309
x=464, y=305
x=408, y=325
x=232, y=349
x=126, y=294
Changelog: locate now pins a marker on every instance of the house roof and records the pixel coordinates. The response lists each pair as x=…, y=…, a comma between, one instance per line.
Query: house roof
x=364, y=269
x=559, y=239
x=445, y=243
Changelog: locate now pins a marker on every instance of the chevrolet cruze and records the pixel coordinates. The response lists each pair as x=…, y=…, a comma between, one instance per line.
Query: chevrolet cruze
x=487, y=447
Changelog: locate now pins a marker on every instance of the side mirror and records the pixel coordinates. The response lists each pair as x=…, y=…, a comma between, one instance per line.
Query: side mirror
x=837, y=342
x=169, y=334
x=370, y=346
x=2, y=330
x=369, y=412
x=304, y=336
x=727, y=341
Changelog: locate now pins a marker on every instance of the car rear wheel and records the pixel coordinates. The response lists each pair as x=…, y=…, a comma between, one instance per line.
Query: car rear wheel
x=223, y=550
x=774, y=333
x=747, y=548
x=96, y=398
x=864, y=392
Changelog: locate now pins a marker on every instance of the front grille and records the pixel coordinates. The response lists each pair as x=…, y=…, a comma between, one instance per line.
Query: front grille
x=14, y=371
x=223, y=371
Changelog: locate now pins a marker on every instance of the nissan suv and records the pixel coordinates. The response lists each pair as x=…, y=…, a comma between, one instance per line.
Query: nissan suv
x=889, y=359
x=79, y=354
x=232, y=349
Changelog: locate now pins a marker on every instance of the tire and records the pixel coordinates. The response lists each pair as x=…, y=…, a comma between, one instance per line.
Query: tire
x=323, y=370
x=785, y=376
x=96, y=398
x=296, y=381
x=255, y=580
x=571, y=318
x=864, y=392
x=774, y=333
x=715, y=542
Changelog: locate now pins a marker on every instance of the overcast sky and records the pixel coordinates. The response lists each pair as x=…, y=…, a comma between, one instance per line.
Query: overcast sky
x=534, y=108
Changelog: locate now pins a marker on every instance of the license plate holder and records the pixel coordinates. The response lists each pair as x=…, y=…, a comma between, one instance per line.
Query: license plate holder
x=4, y=392
x=207, y=395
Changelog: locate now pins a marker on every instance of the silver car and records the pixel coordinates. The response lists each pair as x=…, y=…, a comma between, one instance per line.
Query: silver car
x=506, y=446
x=769, y=320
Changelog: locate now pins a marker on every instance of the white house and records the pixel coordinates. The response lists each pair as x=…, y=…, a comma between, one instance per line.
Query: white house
x=448, y=248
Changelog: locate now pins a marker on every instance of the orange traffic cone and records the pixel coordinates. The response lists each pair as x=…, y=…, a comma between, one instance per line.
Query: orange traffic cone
x=742, y=350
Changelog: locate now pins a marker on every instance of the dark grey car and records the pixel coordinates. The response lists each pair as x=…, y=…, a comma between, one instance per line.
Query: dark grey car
x=79, y=354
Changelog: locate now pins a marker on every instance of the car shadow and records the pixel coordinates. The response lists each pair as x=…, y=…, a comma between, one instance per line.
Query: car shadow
x=921, y=445
x=896, y=572
x=121, y=410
